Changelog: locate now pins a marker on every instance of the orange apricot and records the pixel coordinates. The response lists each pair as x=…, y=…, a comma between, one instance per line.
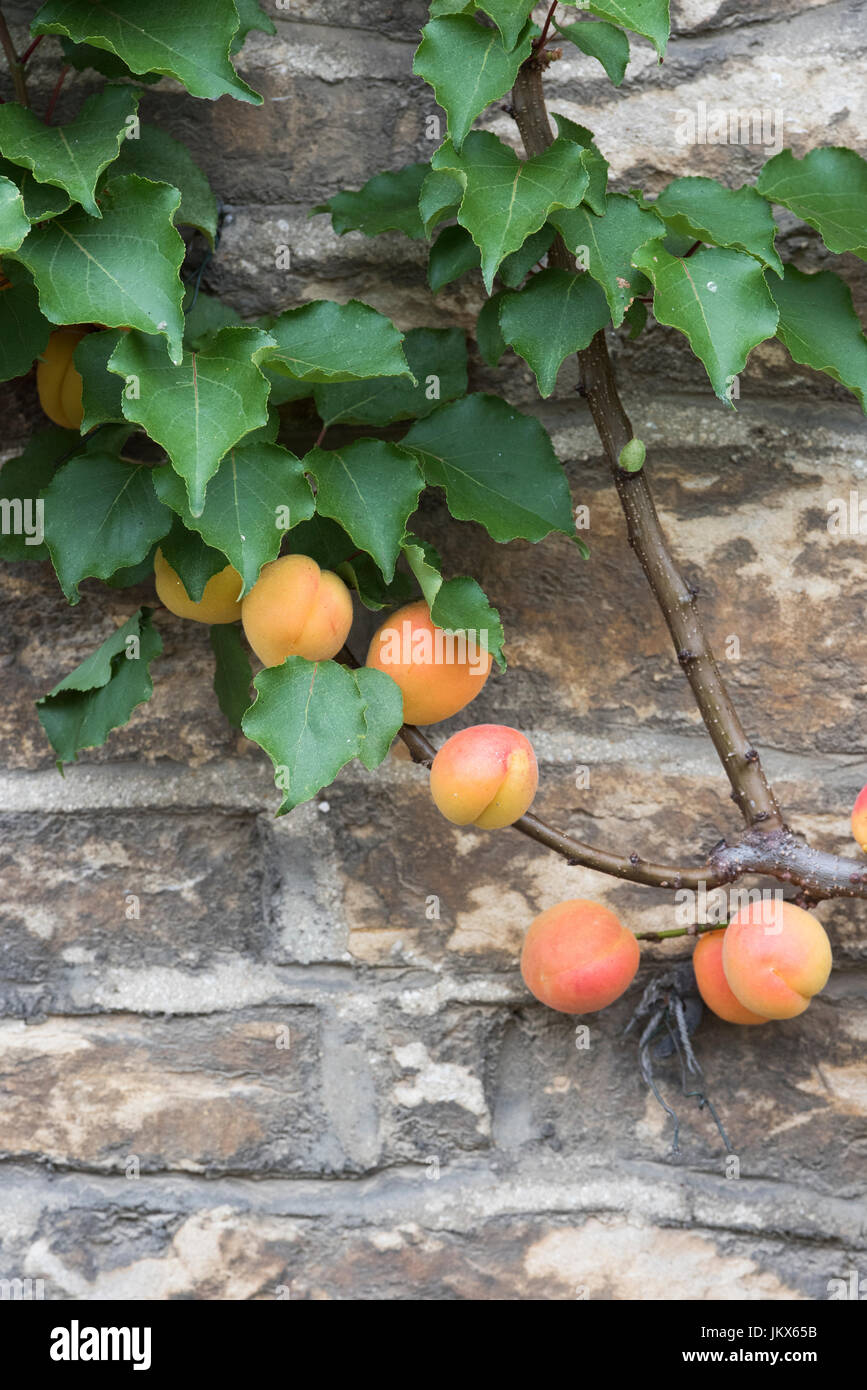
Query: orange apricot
x=578, y=957
x=219, y=602
x=296, y=609
x=439, y=672
x=713, y=986
x=775, y=957
x=485, y=776
x=57, y=380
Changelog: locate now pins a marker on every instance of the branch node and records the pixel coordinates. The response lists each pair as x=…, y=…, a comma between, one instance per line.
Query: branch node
x=751, y=755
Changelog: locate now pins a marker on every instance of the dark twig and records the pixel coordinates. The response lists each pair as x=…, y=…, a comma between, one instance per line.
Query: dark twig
x=56, y=93
x=16, y=64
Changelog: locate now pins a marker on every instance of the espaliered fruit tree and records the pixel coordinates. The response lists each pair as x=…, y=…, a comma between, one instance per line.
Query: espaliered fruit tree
x=164, y=455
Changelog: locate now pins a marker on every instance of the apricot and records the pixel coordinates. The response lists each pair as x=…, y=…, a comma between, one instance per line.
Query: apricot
x=57, y=381
x=775, y=957
x=439, y=672
x=859, y=818
x=713, y=986
x=485, y=776
x=219, y=602
x=578, y=958
x=296, y=609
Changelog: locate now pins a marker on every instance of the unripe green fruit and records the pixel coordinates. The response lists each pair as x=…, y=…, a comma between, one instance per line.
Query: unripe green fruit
x=632, y=456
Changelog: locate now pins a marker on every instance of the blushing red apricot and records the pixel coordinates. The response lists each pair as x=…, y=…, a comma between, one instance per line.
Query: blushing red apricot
x=485, y=776
x=219, y=602
x=776, y=957
x=713, y=986
x=578, y=958
x=296, y=609
x=58, y=382
x=438, y=672
x=859, y=818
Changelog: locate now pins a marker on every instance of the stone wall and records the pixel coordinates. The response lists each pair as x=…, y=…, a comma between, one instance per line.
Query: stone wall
x=286, y=1077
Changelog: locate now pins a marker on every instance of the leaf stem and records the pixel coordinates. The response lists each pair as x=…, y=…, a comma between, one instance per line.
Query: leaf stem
x=56, y=93
x=31, y=49
x=540, y=42
x=16, y=64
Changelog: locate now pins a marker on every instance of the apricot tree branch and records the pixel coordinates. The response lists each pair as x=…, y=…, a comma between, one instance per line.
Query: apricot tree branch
x=676, y=598
x=16, y=65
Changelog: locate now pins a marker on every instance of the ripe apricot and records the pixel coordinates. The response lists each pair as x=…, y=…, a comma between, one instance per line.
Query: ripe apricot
x=859, y=818
x=578, y=957
x=438, y=671
x=776, y=957
x=219, y=602
x=57, y=381
x=713, y=986
x=296, y=609
x=485, y=776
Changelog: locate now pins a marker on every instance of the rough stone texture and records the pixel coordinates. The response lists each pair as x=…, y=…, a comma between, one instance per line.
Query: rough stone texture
x=250, y=1058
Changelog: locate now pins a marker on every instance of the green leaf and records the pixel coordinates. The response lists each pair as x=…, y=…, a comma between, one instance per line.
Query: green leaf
x=199, y=409
x=364, y=576
x=101, y=393
x=323, y=341
x=258, y=492
x=594, y=161
x=820, y=327
x=497, y=466
x=510, y=17
x=82, y=56
x=458, y=605
x=605, y=245
x=515, y=268
x=371, y=489
x=555, y=315
x=437, y=358
x=188, y=42
x=827, y=189
x=324, y=541
x=489, y=334
x=453, y=253
x=234, y=674
x=119, y=270
x=440, y=198
x=72, y=156
x=157, y=156
x=636, y=317
x=21, y=481
x=194, y=562
x=738, y=218
x=117, y=519
x=130, y=575
x=309, y=718
x=719, y=299
x=649, y=18
x=101, y=693
x=41, y=200
x=24, y=332
x=14, y=222
x=204, y=316
x=468, y=66
x=251, y=17
x=382, y=702
x=602, y=41
x=506, y=199
x=387, y=203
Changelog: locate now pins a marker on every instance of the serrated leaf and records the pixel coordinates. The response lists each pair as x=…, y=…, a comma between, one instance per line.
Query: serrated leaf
x=120, y=270
x=453, y=253
x=258, y=492
x=324, y=541
x=515, y=268
x=309, y=718
x=371, y=489
x=130, y=575
x=497, y=466
x=555, y=315
x=650, y=18
x=324, y=341
x=204, y=316
x=437, y=358
x=489, y=334
x=827, y=189
x=234, y=674
x=41, y=200
x=468, y=66
x=506, y=199
x=510, y=17
x=188, y=42
x=594, y=161
x=382, y=703
x=72, y=156
x=364, y=576
x=24, y=331
x=387, y=203
x=251, y=17
x=157, y=156
x=458, y=605
x=606, y=245
x=738, y=218
x=194, y=562
x=102, y=392
x=719, y=299
x=21, y=481
x=14, y=222
x=200, y=408
x=117, y=519
x=440, y=198
x=82, y=56
x=819, y=326
x=101, y=693
x=605, y=42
